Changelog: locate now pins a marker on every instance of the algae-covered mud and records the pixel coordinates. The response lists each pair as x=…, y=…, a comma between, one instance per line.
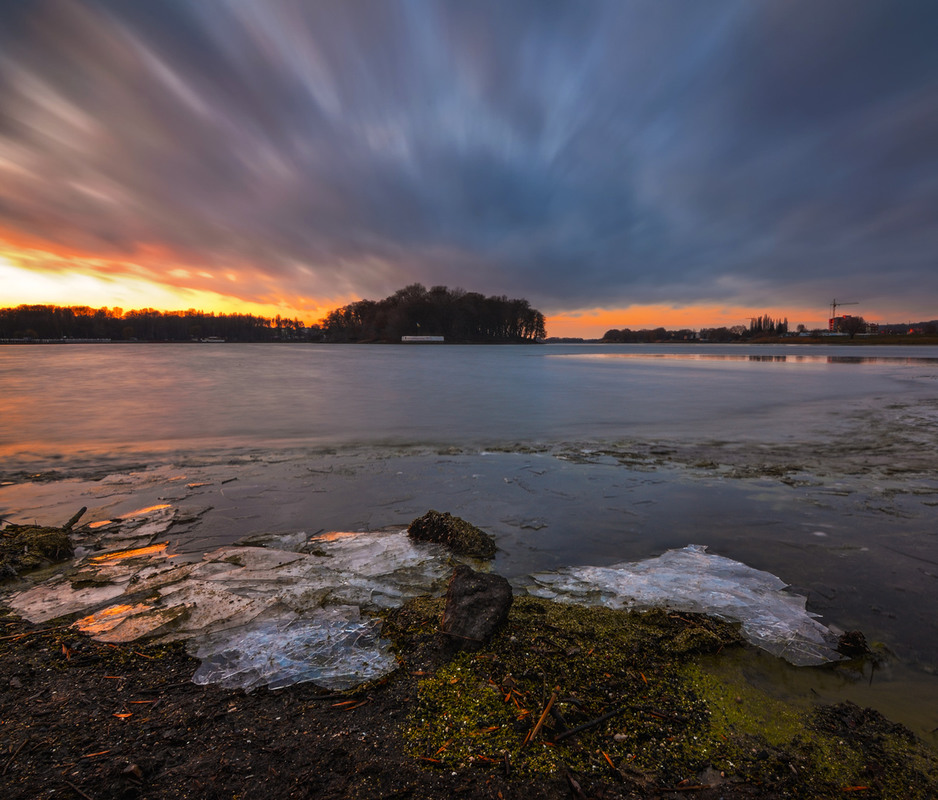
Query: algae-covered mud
x=634, y=699
x=564, y=702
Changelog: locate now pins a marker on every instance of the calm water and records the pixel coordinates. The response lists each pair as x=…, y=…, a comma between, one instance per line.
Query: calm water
x=70, y=399
x=817, y=464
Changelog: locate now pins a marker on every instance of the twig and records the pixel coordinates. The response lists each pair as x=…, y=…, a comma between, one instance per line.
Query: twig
x=575, y=787
x=540, y=722
x=77, y=516
x=587, y=725
x=32, y=633
x=163, y=687
x=15, y=754
x=614, y=768
x=660, y=714
x=86, y=796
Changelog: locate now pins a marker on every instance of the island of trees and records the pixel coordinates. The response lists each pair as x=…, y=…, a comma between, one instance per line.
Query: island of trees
x=455, y=314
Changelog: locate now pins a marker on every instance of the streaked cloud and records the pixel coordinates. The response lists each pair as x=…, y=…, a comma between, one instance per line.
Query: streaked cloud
x=584, y=155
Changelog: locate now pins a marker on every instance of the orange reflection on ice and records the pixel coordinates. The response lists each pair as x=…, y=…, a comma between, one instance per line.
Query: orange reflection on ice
x=147, y=510
x=100, y=524
x=332, y=536
x=152, y=549
x=107, y=618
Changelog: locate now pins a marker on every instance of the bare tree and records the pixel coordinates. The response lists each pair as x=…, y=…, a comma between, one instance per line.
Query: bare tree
x=853, y=325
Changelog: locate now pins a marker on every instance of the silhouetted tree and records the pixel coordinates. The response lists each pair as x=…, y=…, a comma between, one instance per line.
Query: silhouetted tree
x=456, y=315
x=852, y=325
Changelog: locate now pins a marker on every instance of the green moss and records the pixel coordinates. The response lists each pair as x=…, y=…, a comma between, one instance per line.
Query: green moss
x=596, y=663
x=663, y=714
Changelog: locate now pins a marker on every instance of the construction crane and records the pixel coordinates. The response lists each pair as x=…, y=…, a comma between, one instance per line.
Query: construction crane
x=832, y=322
x=834, y=305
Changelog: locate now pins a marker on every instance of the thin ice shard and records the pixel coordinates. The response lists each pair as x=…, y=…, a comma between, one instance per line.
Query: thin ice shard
x=335, y=647
x=691, y=579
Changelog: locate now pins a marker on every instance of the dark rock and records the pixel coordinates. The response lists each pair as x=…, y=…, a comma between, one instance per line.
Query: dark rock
x=460, y=536
x=852, y=644
x=477, y=605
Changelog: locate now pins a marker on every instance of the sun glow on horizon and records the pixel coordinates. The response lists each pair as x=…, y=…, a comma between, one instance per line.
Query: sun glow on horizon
x=22, y=285
x=44, y=277
x=594, y=322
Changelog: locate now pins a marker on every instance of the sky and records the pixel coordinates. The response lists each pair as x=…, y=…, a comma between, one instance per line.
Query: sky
x=630, y=163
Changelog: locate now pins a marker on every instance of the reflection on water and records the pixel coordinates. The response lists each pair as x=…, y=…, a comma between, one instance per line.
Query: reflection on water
x=761, y=358
x=141, y=511
x=136, y=552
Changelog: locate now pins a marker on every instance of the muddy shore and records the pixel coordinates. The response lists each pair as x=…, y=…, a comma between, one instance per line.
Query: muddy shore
x=83, y=719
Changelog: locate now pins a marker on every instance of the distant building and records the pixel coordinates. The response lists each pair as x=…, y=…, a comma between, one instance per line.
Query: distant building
x=840, y=324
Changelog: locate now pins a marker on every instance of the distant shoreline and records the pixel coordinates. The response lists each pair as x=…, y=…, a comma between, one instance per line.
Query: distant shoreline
x=840, y=341
x=881, y=339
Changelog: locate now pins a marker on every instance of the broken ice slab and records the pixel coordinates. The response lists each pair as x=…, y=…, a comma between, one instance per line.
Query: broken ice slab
x=693, y=580
x=254, y=615
x=296, y=609
x=335, y=648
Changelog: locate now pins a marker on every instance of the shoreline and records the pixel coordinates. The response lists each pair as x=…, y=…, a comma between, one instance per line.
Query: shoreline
x=514, y=495
x=872, y=340
x=125, y=721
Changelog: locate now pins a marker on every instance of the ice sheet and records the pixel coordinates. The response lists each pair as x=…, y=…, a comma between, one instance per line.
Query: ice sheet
x=255, y=615
x=691, y=579
x=334, y=647
x=283, y=609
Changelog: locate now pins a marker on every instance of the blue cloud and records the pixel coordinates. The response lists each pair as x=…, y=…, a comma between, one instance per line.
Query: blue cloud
x=580, y=154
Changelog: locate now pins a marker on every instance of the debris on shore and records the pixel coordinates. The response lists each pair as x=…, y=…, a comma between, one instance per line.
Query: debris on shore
x=24, y=548
x=555, y=700
x=462, y=537
x=628, y=704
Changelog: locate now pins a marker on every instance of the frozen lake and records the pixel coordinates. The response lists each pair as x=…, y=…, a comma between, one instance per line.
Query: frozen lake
x=817, y=464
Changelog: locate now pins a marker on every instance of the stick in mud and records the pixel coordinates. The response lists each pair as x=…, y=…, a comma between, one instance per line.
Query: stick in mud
x=553, y=698
x=587, y=725
x=75, y=517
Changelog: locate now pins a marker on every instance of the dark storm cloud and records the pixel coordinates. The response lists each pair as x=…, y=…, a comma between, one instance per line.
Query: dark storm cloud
x=580, y=154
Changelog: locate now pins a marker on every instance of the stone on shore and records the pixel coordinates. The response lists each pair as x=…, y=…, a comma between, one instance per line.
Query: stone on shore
x=477, y=605
x=462, y=537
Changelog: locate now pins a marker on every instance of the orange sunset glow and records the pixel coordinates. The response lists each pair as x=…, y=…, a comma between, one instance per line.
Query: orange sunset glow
x=291, y=162
x=593, y=323
x=32, y=276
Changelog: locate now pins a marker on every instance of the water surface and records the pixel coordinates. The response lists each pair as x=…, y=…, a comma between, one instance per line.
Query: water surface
x=816, y=464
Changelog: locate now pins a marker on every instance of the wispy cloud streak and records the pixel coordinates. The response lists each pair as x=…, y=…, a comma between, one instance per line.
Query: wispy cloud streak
x=581, y=154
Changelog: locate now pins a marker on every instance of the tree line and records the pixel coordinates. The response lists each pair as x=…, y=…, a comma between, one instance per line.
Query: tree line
x=759, y=328
x=455, y=314
x=31, y=322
